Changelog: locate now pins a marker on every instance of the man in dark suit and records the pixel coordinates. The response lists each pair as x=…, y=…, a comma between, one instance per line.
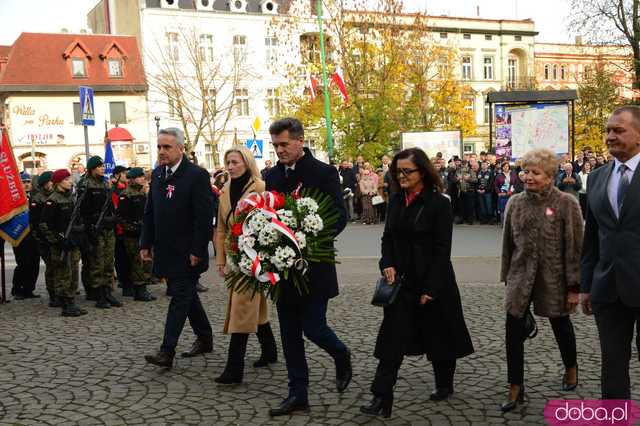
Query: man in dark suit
x=610, y=270
x=306, y=312
x=177, y=227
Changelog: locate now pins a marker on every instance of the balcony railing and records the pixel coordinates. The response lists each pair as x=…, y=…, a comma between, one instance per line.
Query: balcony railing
x=520, y=83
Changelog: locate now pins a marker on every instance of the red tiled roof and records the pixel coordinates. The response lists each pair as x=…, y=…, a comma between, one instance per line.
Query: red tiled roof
x=42, y=62
x=4, y=51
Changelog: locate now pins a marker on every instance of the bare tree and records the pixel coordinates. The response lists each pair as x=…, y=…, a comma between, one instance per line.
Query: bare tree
x=609, y=22
x=197, y=84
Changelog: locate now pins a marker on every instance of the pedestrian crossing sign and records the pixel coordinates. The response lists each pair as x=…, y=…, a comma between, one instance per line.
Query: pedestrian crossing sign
x=255, y=147
x=86, y=106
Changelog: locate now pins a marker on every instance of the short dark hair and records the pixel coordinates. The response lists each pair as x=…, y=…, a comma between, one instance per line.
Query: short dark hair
x=634, y=110
x=293, y=125
x=430, y=176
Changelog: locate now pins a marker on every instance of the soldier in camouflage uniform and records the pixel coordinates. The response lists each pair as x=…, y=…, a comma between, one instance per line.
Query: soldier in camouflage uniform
x=45, y=189
x=63, y=252
x=130, y=210
x=100, y=259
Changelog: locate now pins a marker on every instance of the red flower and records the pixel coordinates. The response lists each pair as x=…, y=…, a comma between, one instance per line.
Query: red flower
x=279, y=200
x=236, y=229
x=234, y=247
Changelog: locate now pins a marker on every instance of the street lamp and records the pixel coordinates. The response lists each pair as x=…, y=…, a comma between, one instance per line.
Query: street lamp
x=157, y=118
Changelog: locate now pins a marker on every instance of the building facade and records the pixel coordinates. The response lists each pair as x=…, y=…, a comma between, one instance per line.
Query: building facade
x=40, y=77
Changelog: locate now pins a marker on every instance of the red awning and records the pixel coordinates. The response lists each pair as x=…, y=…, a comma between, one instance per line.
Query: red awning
x=119, y=134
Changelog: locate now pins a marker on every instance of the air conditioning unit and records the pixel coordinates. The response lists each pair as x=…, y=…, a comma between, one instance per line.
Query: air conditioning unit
x=269, y=7
x=169, y=4
x=204, y=5
x=142, y=149
x=238, y=6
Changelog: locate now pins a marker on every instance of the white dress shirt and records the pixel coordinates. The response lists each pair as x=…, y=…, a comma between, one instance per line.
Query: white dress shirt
x=614, y=180
x=174, y=168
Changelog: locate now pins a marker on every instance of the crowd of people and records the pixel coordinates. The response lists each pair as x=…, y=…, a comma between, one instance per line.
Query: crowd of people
x=552, y=259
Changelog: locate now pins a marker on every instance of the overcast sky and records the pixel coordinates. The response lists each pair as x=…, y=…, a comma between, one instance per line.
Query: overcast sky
x=51, y=16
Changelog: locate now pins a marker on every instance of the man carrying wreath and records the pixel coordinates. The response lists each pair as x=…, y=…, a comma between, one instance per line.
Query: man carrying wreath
x=301, y=311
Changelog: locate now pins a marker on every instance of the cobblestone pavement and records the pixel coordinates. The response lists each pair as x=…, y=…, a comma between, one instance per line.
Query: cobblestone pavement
x=55, y=370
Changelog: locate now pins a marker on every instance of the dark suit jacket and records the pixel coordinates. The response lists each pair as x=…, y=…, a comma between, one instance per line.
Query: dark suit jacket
x=178, y=223
x=610, y=266
x=312, y=173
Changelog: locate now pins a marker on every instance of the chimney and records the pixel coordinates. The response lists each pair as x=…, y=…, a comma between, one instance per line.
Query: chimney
x=579, y=40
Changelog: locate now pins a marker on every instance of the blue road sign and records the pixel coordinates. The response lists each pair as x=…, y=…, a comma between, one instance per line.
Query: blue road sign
x=255, y=146
x=86, y=106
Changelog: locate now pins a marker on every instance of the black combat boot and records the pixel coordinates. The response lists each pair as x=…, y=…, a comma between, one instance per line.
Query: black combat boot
x=234, y=371
x=70, y=309
x=101, y=300
x=268, y=349
x=54, y=301
x=141, y=294
x=91, y=294
x=110, y=298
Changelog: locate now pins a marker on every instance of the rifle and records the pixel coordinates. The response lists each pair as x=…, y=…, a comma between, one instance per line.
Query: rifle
x=67, y=233
x=105, y=206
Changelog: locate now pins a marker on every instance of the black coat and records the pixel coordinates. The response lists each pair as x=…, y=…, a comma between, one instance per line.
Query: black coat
x=311, y=173
x=178, y=223
x=417, y=242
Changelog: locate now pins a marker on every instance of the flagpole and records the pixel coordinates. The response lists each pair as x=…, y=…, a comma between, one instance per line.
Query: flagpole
x=3, y=273
x=325, y=83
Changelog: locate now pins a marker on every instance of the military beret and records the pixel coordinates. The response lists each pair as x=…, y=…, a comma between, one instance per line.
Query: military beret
x=94, y=162
x=44, y=178
x=60, y=175
x=135, y=172
x=25, y=177
x=119, y=169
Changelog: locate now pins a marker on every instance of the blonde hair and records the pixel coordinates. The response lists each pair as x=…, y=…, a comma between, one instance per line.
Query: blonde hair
x=543, y=158
x=247, y=158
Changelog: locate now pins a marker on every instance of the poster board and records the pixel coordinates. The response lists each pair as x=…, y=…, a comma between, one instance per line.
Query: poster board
x=449, y=142
x=521, y=128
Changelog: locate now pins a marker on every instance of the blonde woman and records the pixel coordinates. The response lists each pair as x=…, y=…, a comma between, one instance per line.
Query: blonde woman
x=245, y=314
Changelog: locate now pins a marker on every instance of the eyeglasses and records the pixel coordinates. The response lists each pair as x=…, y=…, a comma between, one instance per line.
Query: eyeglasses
x=407, y=172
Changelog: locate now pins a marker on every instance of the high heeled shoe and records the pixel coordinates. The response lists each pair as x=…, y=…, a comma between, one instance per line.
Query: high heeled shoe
x=511, y=404
x=568, y=387
x=378, y=406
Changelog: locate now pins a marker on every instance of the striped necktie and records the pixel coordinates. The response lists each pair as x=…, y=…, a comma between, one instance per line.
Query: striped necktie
x=623, y=185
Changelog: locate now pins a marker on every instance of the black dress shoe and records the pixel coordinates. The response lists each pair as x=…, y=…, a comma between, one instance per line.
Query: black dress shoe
x=440, y=394
x=511, y=405
x=378, y=406
x=230, y=377
x=200, y=346
x=290, y=405
x=161, y=359
x=344, y=372
x=568, y=387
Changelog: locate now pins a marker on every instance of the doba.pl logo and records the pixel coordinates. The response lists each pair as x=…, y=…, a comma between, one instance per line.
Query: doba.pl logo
x=617, y=412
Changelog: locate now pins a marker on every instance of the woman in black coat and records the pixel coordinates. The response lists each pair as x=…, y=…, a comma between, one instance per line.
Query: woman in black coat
x=426, y=318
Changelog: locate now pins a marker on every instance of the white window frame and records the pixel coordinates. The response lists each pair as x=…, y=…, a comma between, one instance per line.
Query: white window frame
x=271, y=50
x=240, y=53
x=173, y=45
x=74, y=63
x=487, y=68
x=512, y=70
x=206, y=47
x=119, y=73
x=273, y=102
x=242, y=102
x=467, y=67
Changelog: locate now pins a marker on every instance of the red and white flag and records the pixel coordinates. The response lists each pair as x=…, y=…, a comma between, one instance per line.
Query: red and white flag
x=312, y=85
x=338, y=79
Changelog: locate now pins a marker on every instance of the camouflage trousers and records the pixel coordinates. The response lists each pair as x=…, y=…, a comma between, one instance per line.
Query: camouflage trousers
x=100, y=262
x=139, y=271
x=45, y=254
x=63, y=283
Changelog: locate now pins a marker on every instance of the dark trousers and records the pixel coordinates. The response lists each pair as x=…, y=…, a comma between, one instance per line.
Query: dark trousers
x=515, y=327
x=387, y=375
x=185, y=303
x=469, y=201
x=582, y=198
x=311, y=319
x=486, y=207
x=615, y=323
x=27, y=269
x=122, y=263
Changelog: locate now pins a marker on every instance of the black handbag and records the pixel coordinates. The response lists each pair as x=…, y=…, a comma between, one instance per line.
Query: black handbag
x=530, y=326
x=385, y=293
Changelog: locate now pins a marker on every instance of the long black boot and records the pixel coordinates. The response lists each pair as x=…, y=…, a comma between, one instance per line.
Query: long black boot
x=54, y=301
x=70, y=308
x=268, y=348
x=111, y=298
x=234, y=371
x=101, y=298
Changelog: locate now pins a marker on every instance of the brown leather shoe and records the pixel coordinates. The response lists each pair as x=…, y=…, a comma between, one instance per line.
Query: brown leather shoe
x=202, y=345
x=161, y=359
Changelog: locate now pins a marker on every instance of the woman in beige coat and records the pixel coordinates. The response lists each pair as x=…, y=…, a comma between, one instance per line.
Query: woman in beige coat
x=245, y=314
x=541, y=248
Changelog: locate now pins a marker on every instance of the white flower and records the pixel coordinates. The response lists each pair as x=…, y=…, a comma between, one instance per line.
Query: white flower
x=312, y=223
x=258, y=221
x=302, y=239
x=231, y=264
x=284, y=257
x=246, y=240
x=307, y=205
x=263, y=255
x=245, y=264
x=268, y=235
